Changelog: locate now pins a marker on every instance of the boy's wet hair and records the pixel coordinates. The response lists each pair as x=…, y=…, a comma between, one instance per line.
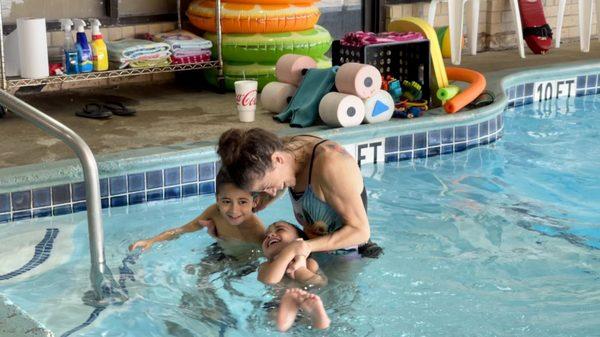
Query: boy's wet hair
x=299, y=230
x=223, y=178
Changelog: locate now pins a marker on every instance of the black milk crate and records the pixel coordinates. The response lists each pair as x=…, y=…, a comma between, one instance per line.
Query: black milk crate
x=407, y=60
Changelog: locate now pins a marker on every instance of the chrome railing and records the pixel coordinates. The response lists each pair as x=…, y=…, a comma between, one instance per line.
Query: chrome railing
x=103, y=284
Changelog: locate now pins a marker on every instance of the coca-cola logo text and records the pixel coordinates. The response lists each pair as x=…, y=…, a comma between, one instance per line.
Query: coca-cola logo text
x=246, y=99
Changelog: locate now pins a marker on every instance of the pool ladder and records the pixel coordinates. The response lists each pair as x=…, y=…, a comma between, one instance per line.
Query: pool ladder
x=104, y=287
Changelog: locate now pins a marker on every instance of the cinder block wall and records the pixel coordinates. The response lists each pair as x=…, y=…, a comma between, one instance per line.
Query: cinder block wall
x=496, y=24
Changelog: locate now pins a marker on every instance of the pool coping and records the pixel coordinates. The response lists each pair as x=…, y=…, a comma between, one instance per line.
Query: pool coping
x=430, y=128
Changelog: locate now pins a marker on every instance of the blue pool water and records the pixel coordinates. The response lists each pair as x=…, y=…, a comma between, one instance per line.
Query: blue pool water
x=502, y=240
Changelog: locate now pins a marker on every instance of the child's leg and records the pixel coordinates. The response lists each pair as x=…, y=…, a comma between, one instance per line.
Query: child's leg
x=288, y=309
x=312, y=305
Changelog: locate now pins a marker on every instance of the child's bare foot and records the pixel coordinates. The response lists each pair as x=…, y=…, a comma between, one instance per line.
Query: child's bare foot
x=288, y=309
x=313, y=306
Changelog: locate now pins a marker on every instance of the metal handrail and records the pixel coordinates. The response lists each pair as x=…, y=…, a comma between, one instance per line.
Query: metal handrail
x=99, y=274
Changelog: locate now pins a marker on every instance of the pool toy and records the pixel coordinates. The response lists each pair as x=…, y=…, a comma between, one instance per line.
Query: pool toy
x=379, y=107
x=407, y=109
x=536, y=31
x=337, y=109
x=395, y=89
x=411, y=24
x=262, y=72
x=476, y=86
x=412, y=90
x=444, y=94
x=269, y=47
x=291, y=67
x=303, y=109
x=276, y=96
x=253, y=18
x=443, y=35
x=358, y=79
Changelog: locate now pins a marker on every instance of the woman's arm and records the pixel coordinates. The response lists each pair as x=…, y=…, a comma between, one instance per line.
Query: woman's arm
x=272, y=272
x=201, y=221
x=341, y=184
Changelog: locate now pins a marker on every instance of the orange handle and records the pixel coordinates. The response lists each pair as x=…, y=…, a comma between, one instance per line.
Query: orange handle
x=476, y=87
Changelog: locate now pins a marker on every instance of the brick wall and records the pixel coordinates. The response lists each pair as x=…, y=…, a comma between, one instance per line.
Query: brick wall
x=496, y=20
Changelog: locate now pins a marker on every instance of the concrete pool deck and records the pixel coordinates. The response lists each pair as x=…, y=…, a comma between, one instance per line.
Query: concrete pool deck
x=174, y=113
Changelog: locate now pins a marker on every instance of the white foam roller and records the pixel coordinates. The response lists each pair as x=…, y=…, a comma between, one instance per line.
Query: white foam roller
x=289, y=68
x=379, y=107
x=275, y=96
x=358, y=79
x=337, y=109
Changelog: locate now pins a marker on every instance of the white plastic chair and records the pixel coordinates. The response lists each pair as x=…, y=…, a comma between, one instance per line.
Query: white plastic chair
x=455, y=16
x=586, y=10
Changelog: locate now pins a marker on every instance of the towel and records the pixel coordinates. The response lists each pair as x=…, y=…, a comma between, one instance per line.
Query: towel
x=183, y=43
x=359, y=39
x=127, y=50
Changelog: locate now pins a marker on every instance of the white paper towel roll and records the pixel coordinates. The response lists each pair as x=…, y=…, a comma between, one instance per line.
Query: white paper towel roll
x=33, y=47
x=275, y=96
x=337, y=109
x=379, y=107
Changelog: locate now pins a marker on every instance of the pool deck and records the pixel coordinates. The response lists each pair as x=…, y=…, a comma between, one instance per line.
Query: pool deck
x=173, y=113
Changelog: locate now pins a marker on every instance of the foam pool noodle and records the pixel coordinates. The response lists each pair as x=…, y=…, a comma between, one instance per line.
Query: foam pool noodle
x=444, y=94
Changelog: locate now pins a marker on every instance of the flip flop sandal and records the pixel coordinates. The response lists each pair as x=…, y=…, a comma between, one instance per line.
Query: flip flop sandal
x=118, y=108
x=485, y=98
x=94, y=110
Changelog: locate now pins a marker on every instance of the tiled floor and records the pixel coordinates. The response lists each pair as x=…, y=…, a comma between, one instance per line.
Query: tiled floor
x=172, y=113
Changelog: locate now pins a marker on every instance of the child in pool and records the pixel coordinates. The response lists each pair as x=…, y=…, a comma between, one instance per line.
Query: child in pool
x=278, y=236
x=230, y=219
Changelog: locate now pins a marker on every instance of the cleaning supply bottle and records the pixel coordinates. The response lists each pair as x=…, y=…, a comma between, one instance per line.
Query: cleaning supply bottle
x=99, y=51
x=69, y=56
x=84, y=52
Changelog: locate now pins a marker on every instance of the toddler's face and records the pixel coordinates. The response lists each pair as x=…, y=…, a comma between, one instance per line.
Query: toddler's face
x=234, y=204
x=277, y=236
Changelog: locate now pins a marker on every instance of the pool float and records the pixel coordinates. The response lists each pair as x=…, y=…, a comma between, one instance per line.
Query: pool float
x=536, y=31
x=476, y=86
x=411, y=24
x=270, y=47
x=253, y=18
x=262, y=72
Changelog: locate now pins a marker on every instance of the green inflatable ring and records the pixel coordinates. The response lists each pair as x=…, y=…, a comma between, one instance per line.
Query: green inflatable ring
x=264, y=73
x=270, y=47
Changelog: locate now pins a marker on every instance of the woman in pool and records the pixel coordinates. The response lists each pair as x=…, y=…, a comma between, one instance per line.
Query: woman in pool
x=324, y=182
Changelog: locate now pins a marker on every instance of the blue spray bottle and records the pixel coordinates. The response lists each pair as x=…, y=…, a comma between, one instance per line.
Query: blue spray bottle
x=84, y=52
x=69, y=57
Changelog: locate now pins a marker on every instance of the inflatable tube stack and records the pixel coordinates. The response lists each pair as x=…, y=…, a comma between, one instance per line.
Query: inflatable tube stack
x=256, y=33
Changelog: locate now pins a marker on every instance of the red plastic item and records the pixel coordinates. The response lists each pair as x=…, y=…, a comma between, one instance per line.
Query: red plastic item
x=533, y=20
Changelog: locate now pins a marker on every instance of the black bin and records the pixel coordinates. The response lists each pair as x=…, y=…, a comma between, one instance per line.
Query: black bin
x=403, y=60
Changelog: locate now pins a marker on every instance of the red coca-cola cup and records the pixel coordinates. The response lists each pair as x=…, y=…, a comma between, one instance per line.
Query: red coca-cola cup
x=245, y=97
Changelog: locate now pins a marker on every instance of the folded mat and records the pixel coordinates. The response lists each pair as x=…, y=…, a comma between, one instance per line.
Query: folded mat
x=126, y=50
x=182, y=39
x=303, y=109
x=155, y=62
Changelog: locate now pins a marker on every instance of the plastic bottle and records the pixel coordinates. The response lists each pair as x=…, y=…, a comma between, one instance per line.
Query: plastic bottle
x=99, y=51
x=84, y=52
x=69, y=53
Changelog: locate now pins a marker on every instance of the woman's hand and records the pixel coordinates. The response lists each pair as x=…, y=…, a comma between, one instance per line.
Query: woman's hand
x=143, y=244
x=300, y=248
x=298, y=262
x=211, y=229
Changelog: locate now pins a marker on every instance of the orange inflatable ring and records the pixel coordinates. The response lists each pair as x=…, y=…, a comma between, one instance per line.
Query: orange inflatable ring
x=466, y=96
x=253, y=18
